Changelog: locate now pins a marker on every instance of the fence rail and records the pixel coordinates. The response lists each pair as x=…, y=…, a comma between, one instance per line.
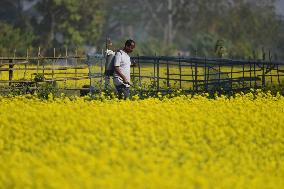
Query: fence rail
x=205, y=74
x=155, y=73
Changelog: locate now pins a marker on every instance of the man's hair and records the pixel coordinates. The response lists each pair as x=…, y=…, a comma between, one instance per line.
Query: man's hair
x=129, y=42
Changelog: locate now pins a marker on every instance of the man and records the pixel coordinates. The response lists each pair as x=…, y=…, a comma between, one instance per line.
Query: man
x=122, y=63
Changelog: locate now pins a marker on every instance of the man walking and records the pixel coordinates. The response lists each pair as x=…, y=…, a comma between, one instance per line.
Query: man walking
x=122, y=63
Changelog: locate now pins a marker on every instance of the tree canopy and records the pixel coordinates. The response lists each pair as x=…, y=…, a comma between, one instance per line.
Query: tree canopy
x=167, y=27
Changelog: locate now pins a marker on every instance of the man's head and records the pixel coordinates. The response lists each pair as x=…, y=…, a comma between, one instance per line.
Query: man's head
x=129, y=46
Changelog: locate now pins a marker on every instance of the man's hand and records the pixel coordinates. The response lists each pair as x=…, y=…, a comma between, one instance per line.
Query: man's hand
x=133, y=64
x=126, y=82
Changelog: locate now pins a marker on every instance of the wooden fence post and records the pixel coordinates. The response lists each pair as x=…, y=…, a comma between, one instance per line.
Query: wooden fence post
x=27, y=59
x=66, y=65
x=168, y=75
x=195, y=77
x=205, y=74
x=158, y=73
x=76, y=65
x=180, y=72
x=139, y=71
x=263, y=68
x=11, y=72
x=52, y=72
x=38, y=57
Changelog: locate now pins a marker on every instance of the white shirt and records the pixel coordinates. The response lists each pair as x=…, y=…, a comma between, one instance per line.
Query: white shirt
x=122, y=60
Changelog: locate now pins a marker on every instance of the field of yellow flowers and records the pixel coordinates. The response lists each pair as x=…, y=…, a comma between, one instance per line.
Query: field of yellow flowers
x=182, y=142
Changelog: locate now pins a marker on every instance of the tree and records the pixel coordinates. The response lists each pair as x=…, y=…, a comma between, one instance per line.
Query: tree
x=13, y=13
x=246, y=26
x=158, y=26
x=15, y=29
x=70, y=23
x=13, y=39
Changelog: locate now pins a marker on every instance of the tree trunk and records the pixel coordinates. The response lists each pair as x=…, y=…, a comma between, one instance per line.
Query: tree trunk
x=170, y=22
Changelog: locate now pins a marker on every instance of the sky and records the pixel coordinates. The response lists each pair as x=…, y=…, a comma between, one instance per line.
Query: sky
x=280, y=7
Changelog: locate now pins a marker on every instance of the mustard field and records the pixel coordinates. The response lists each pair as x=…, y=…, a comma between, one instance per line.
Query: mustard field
x=182, y=142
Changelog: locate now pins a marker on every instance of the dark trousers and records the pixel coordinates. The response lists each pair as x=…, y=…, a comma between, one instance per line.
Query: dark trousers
x=123, y=91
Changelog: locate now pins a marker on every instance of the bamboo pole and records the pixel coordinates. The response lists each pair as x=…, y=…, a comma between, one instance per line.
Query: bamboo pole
x=76, y=64
x=38, y=55
x=66, y=64
x=11, y=71
x=205, y=75
x=180, y=73
x=27, y=58
x=168, y=76
x=139, y=72
x=158, y=73
x=54, y=55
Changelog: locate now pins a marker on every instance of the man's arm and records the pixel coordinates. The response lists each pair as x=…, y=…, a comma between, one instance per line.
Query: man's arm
x=133, y=63
x=118, y=72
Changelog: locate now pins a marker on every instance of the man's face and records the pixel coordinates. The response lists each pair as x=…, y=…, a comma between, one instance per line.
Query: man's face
x=130, y=48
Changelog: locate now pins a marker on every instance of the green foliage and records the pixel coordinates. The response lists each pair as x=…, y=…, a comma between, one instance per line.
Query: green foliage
x=159, y=27
x=45, y=89
x=39, y=78
x=197, y=25
x=85, y=90
x=70, y=22
x=203, y=44
x=22, y=88
x=12, y=38
x=250, y=26
x=155, y=47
